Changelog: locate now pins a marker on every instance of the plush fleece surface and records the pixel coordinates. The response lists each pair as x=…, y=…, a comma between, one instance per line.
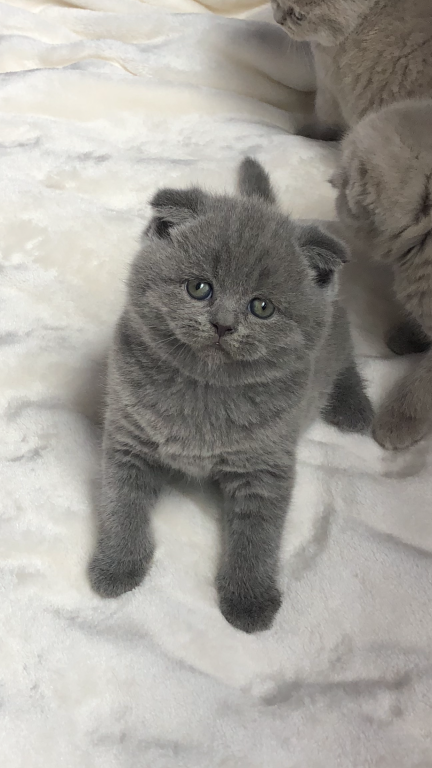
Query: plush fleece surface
x=101, y=102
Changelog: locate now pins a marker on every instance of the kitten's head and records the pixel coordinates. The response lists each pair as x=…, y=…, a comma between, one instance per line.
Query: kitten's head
x=227, y=285
x=384, y=181
x=323, y=21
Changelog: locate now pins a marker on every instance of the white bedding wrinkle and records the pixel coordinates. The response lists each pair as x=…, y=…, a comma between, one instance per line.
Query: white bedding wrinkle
x=102, y=102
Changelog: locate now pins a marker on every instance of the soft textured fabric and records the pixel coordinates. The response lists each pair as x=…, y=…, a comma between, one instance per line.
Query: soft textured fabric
x=101, y=102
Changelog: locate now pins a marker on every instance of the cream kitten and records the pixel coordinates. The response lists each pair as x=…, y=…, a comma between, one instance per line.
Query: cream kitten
x=385, y=203
x=368, y=53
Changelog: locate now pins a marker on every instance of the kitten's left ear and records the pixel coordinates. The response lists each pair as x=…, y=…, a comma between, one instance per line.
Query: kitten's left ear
x=324, y=253
x=174, y=207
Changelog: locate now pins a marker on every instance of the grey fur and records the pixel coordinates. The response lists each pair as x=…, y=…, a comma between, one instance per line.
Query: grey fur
x=180, y=403
x=253, y=181
x=385, y=205
x=368, y=54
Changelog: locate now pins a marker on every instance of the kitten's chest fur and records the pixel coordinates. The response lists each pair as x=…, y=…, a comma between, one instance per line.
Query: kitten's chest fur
x=217, y=428
x=386, y=58
x=200, y=429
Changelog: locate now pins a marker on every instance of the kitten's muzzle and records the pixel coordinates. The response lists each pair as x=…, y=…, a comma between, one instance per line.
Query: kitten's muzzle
x=222, y=330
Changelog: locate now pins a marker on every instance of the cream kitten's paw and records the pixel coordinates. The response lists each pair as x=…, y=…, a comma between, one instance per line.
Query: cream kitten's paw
x=394, y=429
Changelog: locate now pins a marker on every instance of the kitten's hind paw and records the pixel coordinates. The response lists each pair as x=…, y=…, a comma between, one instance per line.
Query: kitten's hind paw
x=395, y=431
x=113, y=577
x=249, y=611
x=348, y=407
x=408, y=338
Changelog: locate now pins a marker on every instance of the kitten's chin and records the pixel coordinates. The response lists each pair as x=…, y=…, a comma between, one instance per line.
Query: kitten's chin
x=216, y=355
x=321, y=37
x=294, y=34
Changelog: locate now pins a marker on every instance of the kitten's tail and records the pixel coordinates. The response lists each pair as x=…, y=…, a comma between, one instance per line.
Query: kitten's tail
x=254, y=181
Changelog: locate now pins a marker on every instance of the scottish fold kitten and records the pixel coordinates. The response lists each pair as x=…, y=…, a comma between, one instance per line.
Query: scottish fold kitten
x=385, y=204
x=368, y=53
x=230, y=342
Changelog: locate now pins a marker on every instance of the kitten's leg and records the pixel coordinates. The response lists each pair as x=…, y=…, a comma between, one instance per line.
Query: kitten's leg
x=124, y=546
x=255, y=507
x=348, y=406
x=328, y=123
x=406, y=415
x=408, y=338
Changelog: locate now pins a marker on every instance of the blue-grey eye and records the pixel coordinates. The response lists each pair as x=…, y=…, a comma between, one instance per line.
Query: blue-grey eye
x=261, y=308
x=296, y=15
x=199, y=289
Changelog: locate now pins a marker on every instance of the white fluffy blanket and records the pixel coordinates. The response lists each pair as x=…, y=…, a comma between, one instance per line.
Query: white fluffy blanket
x=101, y=102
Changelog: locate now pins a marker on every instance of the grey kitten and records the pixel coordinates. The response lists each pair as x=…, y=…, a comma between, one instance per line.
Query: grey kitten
x=368, y=53
x=230, y=342
x=385, y=206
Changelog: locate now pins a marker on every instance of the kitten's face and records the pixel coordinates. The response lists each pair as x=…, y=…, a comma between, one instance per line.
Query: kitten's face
x=226, y=289
x=226, y=297
x=323, y=21
x=230, y=285
x=384, y=182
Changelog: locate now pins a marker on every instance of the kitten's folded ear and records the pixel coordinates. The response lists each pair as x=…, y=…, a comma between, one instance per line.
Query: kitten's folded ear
x=324, y=253
x=174, y=207
x=253, y=181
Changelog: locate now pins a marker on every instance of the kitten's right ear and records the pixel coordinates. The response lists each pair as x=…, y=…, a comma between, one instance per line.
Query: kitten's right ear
x=173, y=207
x=254, y=181
x=324, y=253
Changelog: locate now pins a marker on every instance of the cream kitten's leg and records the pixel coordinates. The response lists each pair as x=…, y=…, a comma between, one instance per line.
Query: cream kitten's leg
x=406, y=414
x=328, y=124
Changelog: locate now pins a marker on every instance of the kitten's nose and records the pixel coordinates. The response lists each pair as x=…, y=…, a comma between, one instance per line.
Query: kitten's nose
x=221, y=330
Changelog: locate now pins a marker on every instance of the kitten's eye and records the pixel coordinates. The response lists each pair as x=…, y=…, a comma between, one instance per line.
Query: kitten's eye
x=419, y=245
x=408, y=253
x=296, y=15
x=199, y=289
x=261, y=308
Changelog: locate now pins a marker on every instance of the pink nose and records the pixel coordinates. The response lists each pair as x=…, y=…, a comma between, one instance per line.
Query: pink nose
x=221, y=330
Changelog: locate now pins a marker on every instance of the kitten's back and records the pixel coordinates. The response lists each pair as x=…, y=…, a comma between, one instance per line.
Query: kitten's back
x=385, y=197
x=386, y=58
x=386, y=167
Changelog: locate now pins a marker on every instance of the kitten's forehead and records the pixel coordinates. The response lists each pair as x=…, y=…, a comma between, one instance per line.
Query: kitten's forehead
x=246, y=245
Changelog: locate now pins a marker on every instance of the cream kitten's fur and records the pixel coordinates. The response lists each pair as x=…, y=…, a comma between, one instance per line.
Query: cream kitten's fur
x=385, y=205
x=368, y=53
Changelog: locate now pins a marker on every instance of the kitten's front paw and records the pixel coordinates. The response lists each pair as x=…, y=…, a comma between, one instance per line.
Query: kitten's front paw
x=394, y=430
x=111, y=577
x=249, y=611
